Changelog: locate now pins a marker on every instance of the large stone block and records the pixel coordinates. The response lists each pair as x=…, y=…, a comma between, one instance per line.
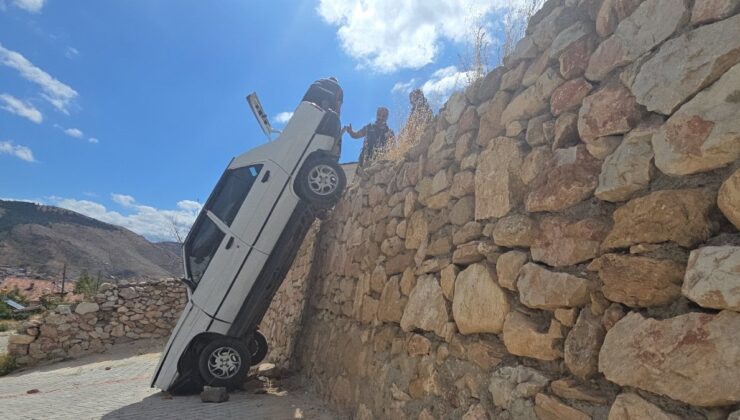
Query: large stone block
x=522, y=337
x=713, y=277
x=490, y=122
x=572, y=178
x=636, y=35
x=629, y=406
x=611, y=13
x=566, y=131
x=479, y=305
x=704, y=133
x=455, y=107
x=569, y=95
x=681, y=216
x=549, y=408
x=426, y=308
x=692, y=358
x=390, y=307
x=629, y=169
x=517, y=230
x=686, y=64
x=610, y=110
x=563, y=242
x=534, y=99
x=541, y=288
x=728, y=199
x=639, y=281
x=710, y=10
x=498, y=187
x=508, y=266
x=568, y=37
x=417, y=231
x=544, y=32
x=583, y=343
x=511, y=383
x=535, y=70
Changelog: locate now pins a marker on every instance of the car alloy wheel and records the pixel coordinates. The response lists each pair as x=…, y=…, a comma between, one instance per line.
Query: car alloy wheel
x=224, y=362
x=323, y=180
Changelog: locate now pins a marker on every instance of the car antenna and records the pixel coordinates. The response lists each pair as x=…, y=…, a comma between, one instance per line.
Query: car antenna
x=261, y=115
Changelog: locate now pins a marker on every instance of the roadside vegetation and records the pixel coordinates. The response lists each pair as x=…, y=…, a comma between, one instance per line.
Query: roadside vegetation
x=7, y=364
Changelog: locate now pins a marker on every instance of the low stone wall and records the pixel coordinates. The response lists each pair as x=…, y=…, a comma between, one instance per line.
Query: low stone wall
x=146, y=310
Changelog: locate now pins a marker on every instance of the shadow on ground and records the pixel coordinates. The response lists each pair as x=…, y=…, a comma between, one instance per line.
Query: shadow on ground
x=241, y=404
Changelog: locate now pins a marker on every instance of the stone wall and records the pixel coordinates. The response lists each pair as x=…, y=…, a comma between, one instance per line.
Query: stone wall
x=117, y=314
x=561, y=243
x=283, y=319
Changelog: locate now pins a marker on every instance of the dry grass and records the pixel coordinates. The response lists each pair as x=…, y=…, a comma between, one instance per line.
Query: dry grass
x=407, y=138
x=7, y=364
x=515, y=24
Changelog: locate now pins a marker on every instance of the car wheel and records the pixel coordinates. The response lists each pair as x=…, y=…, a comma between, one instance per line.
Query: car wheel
x=257, y=348
x=321, y=183
x=224, y=362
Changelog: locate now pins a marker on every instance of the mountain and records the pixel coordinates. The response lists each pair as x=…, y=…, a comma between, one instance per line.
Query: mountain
x=42, y=239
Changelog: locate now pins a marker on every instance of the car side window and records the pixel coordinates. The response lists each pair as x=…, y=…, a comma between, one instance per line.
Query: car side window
x=231, y=192
x=202, y=244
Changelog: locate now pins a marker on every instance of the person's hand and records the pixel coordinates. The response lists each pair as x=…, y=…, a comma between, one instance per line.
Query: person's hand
x=348, y=127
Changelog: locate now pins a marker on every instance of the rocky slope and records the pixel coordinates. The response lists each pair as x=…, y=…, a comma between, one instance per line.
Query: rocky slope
x=43, y=238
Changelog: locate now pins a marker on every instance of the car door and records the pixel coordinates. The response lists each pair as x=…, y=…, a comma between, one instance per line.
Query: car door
x=215, y=253
x=259, y=207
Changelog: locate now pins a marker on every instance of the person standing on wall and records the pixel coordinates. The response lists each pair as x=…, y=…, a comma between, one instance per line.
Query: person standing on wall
x=377, y=136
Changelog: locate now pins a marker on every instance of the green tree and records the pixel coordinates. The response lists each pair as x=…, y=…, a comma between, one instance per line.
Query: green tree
x=86, y=285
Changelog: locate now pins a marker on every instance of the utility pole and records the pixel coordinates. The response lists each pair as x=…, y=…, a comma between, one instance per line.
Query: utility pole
x=64, y=278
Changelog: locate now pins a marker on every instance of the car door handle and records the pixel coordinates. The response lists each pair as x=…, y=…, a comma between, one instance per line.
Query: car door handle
x=266, y=176
x=230, y=243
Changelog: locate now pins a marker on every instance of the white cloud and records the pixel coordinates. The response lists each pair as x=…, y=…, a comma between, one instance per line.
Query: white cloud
x=123, y=199
x=71, y=52
x=93, y=140
x=441, y=84
x=74, y=132
x=21, y=108
x=33, y=6
x=401, y=87
x=282, y=117
x=389, y=35
x=21, y=152
x=54, y=91
x=155, y=224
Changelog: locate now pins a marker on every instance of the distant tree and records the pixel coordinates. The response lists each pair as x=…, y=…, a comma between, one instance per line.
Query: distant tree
x=87, y=285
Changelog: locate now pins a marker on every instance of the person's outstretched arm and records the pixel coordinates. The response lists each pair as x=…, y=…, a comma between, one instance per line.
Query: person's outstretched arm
x=356, y=134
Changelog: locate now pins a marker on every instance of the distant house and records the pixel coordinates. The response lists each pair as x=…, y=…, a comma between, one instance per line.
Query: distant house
x=33, y=289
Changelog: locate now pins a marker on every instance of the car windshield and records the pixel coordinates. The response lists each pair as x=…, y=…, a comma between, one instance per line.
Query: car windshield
x=225, y=201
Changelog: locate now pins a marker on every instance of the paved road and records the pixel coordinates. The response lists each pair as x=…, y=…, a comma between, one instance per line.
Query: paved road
x=115, y=385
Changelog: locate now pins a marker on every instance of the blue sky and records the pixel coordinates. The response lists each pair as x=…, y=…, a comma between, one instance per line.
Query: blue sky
x=129, y=110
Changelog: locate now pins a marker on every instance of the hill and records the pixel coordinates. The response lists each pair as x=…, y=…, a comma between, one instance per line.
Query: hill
x=42, y=239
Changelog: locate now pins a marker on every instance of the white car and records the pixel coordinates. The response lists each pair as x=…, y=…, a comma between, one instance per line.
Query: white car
x=245, y=239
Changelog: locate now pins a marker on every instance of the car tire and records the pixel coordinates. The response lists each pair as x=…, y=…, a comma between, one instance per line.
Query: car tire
x=321, y=182
x=224, y=362
x=257, y=348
